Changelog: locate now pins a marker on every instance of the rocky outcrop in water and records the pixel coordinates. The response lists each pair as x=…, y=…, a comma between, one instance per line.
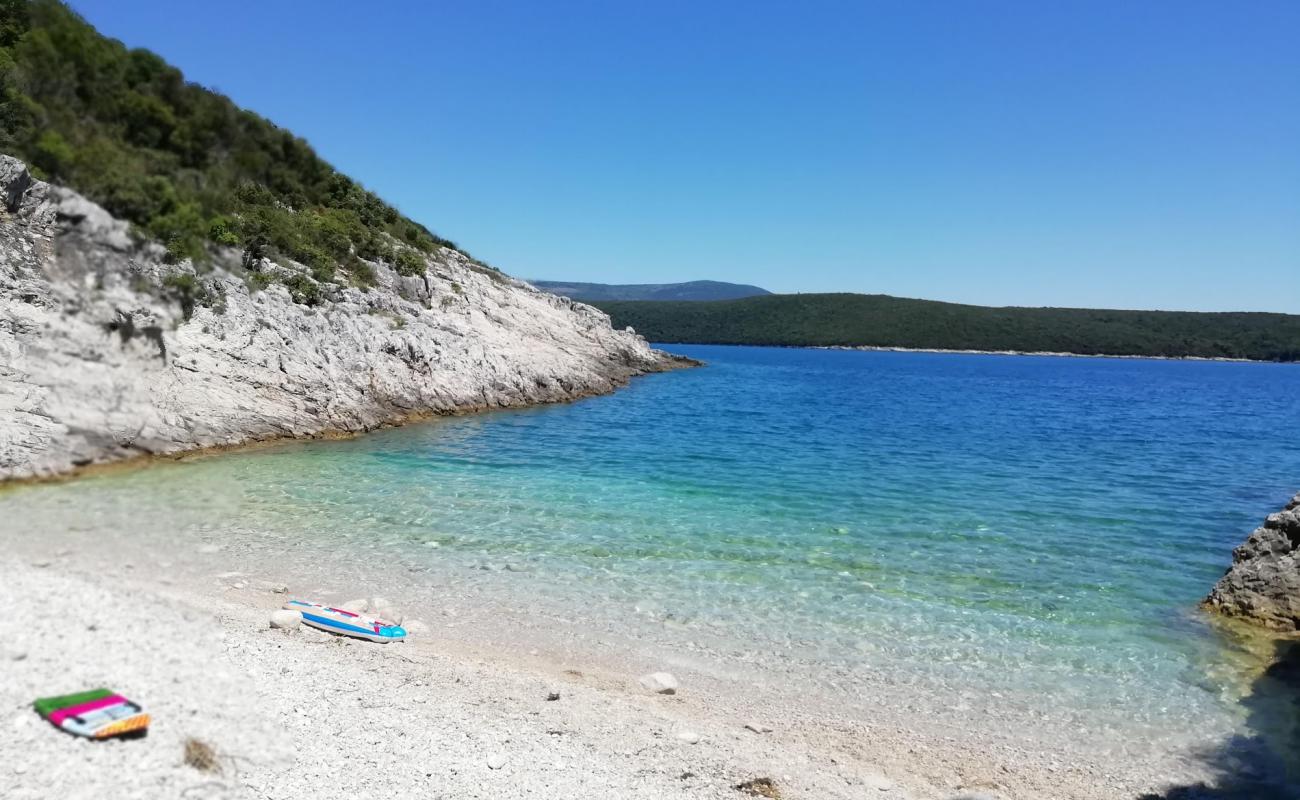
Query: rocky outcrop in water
x=1263, y=583
x=107, y=352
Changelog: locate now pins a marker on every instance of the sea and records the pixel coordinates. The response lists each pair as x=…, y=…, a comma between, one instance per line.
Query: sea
x=1026, y=533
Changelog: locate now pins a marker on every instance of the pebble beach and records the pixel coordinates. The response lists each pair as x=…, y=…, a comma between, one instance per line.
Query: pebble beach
x=459, y=711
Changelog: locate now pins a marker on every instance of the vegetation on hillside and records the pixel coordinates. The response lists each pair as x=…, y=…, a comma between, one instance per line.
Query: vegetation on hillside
x=183, y=163
x=883, y=321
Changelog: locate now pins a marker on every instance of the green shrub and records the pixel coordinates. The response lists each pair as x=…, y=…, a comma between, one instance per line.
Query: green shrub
x=180, y=162
x=408, y=262
x=52, y=154
x=362, y=274
x=221, y=230
x=303, y=289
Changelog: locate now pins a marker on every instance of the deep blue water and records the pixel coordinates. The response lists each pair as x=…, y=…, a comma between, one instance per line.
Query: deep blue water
x=1034, y=526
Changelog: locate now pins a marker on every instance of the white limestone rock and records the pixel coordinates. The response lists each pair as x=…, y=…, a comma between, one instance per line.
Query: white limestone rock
x=99, y=363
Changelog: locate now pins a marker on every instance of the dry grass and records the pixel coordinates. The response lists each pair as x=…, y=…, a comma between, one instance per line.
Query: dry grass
x=201, y=755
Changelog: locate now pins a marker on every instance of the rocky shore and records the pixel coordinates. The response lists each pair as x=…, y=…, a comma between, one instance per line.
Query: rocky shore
x=107, y=352
x=1263, y=584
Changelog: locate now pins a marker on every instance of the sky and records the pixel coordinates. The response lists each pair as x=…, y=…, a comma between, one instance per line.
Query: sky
x=1103, y=154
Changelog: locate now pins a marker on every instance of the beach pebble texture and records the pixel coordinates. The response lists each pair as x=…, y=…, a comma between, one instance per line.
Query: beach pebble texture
x=286, y=618
x=1263, y=584
x=660, y=683
x=314, y=716
x=99, y=361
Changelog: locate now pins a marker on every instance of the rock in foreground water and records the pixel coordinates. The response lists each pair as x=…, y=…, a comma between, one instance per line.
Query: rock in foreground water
x=1263, y=583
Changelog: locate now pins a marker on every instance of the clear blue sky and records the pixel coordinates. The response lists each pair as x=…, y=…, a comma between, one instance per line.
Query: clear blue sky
x=1122, y=154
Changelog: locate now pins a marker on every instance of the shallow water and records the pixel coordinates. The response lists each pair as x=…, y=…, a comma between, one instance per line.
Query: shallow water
x=1026, y=532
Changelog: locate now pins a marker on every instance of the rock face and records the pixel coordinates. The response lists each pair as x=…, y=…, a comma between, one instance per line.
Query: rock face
x=106, y=352
x=1263, y=583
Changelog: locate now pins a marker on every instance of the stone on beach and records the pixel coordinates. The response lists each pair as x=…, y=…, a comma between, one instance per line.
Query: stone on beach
x=358, y=606
x=496, y=761
x=760, y=787
x=758, y=727
x=286, y=619
x=660, y=683
x=385, y=610
x=689, y=737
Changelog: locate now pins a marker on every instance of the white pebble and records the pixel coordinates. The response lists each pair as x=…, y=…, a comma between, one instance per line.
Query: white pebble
x=690, y=737
x=496, y=761
x=660, y=682
x=287, y=619
x=356, y=606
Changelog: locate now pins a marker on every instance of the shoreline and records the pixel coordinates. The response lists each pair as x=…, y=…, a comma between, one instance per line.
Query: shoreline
x=143, y=459
x=1047, y=353
x=483, y=664
x=948, y=351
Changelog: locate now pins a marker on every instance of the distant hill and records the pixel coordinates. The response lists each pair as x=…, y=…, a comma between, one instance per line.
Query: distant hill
x=884, y=321
x=692, y=290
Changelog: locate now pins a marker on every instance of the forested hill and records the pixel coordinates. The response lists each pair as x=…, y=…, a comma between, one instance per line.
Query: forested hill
x=182, y=163
x=884, y=321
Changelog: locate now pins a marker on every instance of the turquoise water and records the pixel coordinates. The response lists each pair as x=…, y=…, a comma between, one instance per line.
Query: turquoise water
x=1032, y=529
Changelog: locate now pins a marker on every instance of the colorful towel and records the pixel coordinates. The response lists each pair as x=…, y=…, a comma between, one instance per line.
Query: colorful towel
x=97, y=714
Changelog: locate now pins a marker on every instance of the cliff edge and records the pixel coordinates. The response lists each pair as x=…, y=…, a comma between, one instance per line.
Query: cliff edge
x=108, y=352
x=1263, y=583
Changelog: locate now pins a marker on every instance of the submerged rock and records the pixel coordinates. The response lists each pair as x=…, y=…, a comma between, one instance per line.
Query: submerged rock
x=107, y=352
x=1263, y=583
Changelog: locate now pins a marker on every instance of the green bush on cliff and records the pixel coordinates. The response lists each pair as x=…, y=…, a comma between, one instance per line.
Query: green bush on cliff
x=183, y=163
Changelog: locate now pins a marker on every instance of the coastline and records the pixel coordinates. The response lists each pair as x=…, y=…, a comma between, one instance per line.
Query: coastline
x=669, y=362
x=939, y=350
x=878, y=349
x=159, y=615
x=109, y=361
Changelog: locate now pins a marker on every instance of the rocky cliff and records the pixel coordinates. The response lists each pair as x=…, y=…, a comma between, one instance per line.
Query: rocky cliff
x=107, y=352
x=1263, y=583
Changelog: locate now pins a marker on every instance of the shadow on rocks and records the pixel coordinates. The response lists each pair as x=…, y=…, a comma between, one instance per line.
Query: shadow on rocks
x=1265, y=763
